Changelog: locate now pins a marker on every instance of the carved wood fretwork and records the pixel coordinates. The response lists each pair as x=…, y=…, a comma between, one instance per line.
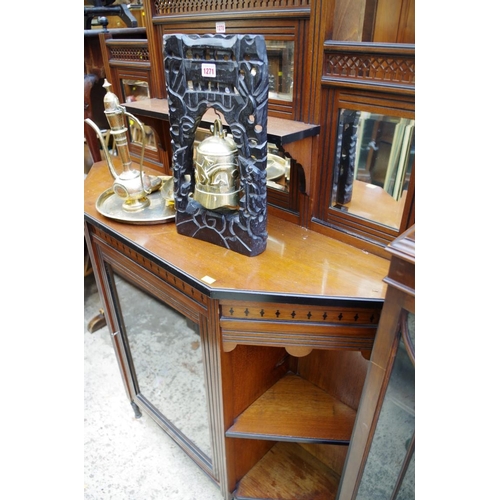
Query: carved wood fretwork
x=369, y=64
x=180, y=7
x=238, y=89
x=140, y=54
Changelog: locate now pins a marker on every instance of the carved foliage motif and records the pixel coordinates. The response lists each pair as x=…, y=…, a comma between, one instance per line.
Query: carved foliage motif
x=239, y=90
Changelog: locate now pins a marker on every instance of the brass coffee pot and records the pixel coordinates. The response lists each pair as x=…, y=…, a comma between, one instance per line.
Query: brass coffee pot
x=131, y=185
x=217, y=174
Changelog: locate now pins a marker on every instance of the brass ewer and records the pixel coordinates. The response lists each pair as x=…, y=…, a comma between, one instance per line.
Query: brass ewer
x=131, y=185
x=216, y=171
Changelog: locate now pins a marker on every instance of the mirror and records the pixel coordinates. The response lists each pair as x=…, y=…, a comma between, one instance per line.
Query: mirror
x=373, y=165
x=278, y=169
x=280, y=55
x=138, y=90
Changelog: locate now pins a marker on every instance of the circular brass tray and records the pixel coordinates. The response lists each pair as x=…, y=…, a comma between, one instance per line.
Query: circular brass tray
x=276, y=167
x=160, y=210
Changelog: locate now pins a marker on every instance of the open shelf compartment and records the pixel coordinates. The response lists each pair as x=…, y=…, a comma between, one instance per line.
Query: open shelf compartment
x=288, y=472
x=294, y=409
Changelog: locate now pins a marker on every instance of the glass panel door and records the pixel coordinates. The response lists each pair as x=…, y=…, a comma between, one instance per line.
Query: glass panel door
x=164, y=353
x=389, y=472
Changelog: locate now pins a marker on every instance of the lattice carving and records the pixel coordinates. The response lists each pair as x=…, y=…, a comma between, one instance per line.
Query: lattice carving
x=129, y=53
x=179, y=7
x=239, y=90
x=367, y=67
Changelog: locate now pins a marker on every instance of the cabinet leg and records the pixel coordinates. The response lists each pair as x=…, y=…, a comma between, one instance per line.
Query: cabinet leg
x=137, y=410
x=97, y=322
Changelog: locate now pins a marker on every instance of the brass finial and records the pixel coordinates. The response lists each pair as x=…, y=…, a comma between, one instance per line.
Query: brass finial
x=107, y=85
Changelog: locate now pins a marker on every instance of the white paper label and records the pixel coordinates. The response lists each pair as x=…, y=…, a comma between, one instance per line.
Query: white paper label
x=208, y=279
x=220, y=27
x=208, y=70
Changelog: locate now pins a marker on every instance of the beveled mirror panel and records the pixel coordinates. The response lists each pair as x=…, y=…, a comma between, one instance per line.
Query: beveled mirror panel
x=373, y=165
x=280, y=54
x=138, y=90
x=165, y=355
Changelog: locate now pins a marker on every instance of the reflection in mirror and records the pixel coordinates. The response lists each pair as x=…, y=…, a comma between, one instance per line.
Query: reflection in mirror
x=280, y=59
x=373, y=165
x=138, y=90
x=166, y=353
x=278, y=169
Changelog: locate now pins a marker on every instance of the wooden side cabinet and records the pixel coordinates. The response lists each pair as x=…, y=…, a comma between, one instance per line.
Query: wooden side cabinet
x=381, y=461
x=254, y=366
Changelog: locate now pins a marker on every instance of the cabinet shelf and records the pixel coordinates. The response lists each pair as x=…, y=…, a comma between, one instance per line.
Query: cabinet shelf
x=279, y=130
x=288, y=472
x=293, y=409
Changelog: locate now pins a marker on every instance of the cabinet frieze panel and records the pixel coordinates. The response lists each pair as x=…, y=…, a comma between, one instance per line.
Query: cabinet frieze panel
x=305, y=338
x=129, y=54
x=372, y=64
x=149, y=265
x=296, y=327
x=299, y=313
x=179, y=7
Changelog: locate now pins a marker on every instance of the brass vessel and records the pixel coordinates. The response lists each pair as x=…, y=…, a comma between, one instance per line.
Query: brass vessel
x=217, y=175
x=131, y=185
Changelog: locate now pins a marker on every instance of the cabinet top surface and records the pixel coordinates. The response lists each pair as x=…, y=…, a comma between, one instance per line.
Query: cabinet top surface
x=296, y=262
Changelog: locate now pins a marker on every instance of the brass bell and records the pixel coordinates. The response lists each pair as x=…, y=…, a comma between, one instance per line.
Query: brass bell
x=217, y=173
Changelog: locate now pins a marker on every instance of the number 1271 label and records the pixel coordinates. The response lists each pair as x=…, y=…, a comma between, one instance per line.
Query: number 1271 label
x=208, y=70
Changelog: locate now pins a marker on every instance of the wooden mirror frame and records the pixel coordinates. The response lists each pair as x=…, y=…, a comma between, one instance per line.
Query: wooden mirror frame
x=367, y=77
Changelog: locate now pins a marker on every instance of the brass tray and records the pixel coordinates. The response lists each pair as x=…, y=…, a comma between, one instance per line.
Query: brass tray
x=160, y=210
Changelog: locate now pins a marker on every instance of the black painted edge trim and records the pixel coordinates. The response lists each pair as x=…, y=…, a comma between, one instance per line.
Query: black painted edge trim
x=286, y=439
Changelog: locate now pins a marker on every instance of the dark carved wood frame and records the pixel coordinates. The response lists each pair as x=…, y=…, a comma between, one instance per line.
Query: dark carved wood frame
x=240, y=93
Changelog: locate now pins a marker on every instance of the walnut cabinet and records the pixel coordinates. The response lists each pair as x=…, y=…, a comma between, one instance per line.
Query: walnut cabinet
x=253, y=365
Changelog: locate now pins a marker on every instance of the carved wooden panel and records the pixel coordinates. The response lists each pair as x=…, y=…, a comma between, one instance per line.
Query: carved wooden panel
x=129, y=52
x=238, y=87
x=369, y=64
x=176, y=7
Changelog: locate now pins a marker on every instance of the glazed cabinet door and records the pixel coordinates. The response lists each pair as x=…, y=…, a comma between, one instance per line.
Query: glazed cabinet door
x=381, y=460
x=389, y=472
x=165, y=351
